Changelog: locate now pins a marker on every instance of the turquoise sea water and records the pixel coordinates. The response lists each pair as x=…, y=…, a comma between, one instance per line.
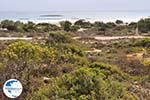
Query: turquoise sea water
x=56, y=16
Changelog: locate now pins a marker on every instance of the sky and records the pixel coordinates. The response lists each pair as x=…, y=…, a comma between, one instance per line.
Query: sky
x=76, y=5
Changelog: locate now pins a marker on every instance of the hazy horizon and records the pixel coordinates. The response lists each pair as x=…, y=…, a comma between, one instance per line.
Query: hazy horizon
x=76, y=5
x=106, y=10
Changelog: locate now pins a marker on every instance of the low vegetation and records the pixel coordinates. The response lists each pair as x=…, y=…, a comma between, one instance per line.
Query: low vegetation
x=71, y=73
x=81, y=26
x=57, y=67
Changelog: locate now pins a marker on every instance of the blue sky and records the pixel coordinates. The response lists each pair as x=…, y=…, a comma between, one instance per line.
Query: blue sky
x=68, y=5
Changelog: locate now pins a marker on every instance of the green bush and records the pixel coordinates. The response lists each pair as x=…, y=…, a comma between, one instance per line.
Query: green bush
x=8, y=24
x=143, y=43
x=74, y=28
x=58, y=38
x=83, y=24
x=46, y=27
x=23, y=59
x=119, y=22
x=66, y=25
x=29, y=27
x=84, y=84
x=143, y=25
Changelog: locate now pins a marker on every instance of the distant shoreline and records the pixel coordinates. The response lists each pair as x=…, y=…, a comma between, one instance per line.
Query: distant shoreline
x=56, y=21
x=54, y=17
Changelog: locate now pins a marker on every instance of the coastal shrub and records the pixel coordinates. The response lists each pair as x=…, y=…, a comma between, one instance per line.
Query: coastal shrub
x=134, y=50
x=133, y=25
x=71, y=53
x=55, y=38
x=71, y=49
x=143, y=43
x=84, y=83
x=98, y=24
x=22, y=59
x=19, y=26
x=66, y=25
x=110, y=25
x=109, y=70
x=143, y=25
x=8, y=24
x=22, y=51
x=46, y=27
x=13, y=26
x=83, y=24
x=119, y=22
x=74, y=28
x=29, y=27
x=28, y=53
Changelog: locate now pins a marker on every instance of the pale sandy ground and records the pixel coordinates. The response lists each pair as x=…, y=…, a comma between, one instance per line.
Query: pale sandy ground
x=14, y=38
x=105, y=38
x=119, y=37
x=115, y=37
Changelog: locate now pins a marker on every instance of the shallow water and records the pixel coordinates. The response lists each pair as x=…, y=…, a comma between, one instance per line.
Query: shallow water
x=56, y=16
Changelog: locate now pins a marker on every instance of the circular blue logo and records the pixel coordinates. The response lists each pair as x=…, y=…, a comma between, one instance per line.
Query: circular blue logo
x=12, y=88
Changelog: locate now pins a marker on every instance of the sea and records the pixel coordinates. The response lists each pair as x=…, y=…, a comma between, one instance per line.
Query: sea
x=57, y=16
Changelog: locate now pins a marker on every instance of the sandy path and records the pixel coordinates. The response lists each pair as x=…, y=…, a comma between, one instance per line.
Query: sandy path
x=119, y=37
x=96, y=37
x=14, y=38
x=105, y=38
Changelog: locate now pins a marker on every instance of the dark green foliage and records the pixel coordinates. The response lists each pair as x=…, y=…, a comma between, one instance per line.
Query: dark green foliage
x=119, y=22
x=99, y=24
x=0, y=25
x=10, y=25
x=74, y=28
x=46, y=27
x=144, y=25
x=66, y=25
x=57, y=38
x=110, y=28
x=143, y=43
x=83, y=24
x=19, y=26
x=133, y=24
x=110, y=25
x=29, y=27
